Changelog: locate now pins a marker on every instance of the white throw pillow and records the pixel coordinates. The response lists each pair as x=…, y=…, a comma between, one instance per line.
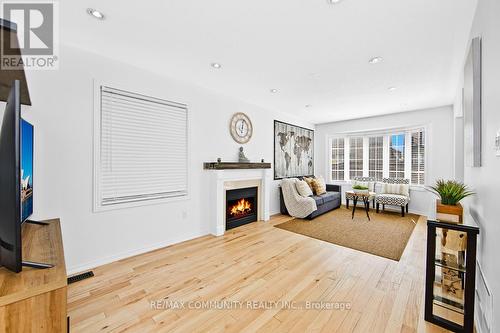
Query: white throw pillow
x=303, y=188
x=405, y=190
x=399, y=189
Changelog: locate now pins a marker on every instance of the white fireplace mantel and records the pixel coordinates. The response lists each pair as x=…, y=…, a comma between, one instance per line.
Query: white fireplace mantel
x=222, y=180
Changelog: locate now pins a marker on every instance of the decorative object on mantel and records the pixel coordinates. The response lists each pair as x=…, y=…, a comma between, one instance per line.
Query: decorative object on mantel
x=450, y=192
x=293, y=151
x=219, y=160
x=240, y=127
x=241, y=157
x=262, y=161
x=235, y=165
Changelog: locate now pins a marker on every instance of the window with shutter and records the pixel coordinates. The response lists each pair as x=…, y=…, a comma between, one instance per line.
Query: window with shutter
x=355, y=157
x=397, y=156
x=418, y=157
x=376, y=157
x=142, y=149
x=338, y=159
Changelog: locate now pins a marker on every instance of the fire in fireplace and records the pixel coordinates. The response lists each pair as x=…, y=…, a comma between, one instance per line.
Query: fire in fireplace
x=241, y=207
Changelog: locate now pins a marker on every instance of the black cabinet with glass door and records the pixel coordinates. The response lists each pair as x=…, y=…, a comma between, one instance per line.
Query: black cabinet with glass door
x=451, y=275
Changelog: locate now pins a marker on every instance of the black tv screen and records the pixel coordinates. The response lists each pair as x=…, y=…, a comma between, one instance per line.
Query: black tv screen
x=26, y=170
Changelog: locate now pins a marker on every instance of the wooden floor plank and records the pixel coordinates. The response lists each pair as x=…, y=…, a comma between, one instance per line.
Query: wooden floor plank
x=251, y=264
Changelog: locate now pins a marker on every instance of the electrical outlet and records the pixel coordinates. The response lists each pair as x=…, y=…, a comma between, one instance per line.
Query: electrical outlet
x=497, y=143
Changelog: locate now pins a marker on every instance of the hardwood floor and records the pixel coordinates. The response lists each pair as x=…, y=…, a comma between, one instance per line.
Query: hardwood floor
x=256, y=263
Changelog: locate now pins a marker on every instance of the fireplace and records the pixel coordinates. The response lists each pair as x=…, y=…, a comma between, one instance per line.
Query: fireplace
x=241, y=207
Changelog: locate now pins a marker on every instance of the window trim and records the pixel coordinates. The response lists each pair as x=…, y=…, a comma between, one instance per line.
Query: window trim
x=96, y=149
x=385, y=133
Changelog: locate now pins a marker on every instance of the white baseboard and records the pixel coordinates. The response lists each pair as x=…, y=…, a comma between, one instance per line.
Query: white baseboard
x=123, y=255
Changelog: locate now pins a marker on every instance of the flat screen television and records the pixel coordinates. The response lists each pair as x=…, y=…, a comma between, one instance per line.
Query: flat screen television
x=10, y=182
x=16, y=180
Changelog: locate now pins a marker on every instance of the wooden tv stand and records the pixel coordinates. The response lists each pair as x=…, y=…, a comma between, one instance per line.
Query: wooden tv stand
x=34, y=300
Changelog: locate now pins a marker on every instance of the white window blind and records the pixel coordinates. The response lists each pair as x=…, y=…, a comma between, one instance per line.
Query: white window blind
x=356, y=157
x=376, y=157
x=338, y=159
x=143, y=148
x=418, y=157
x=397, y=156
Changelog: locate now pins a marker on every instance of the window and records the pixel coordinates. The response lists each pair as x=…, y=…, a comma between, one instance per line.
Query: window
x=338, y=159
x=397, y=156
x=376, y=157
x=355, y=157
x=417, y=157
x=141, y=149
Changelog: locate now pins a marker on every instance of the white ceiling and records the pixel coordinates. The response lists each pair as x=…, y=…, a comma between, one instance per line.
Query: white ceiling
x=311, y=51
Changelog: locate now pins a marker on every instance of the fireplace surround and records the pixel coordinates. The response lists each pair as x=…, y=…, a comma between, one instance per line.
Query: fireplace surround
x=221, y=181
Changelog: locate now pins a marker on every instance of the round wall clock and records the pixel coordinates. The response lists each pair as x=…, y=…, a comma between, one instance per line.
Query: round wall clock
x=241, y=128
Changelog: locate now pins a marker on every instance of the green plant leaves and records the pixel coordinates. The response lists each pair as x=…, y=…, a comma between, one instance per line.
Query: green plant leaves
x=450, y=191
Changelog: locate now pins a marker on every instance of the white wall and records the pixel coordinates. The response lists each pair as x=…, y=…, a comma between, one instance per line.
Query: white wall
x=62, y=113
x=485, y=180
x=439, y=141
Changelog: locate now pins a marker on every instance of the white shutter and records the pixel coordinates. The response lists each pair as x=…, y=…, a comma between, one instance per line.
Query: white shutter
x=418, y=157
x=338, y=159
x=376, y=157
x=142, y=149
x=355, y=157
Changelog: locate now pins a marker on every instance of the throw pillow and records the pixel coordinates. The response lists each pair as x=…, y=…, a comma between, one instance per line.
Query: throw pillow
x=319, y=185
x=309, y=182
x=303, y=188
x=399, y=189
x=405, y=190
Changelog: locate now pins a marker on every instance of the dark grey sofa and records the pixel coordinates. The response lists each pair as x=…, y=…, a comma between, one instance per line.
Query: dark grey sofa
x=326, y=202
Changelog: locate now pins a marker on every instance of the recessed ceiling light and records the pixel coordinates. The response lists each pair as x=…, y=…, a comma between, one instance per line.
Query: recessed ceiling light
x=333, y=2
x=273, y=91
x=391, y=88
x=95, y=13
x=216, y=65
x=308, y=105
x=375, y=60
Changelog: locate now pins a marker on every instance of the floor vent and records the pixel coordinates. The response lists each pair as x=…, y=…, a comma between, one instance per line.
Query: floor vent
x=80, y=277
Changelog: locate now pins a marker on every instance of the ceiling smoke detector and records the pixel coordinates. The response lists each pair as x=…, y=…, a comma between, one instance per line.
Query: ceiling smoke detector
x=375, y=60
x=273, y=91
x=95, y=13
x=216, y=65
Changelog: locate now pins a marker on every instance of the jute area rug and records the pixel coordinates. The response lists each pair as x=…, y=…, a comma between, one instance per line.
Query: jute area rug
x=386, y=235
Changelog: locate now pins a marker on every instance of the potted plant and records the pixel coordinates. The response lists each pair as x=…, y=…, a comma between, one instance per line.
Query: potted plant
x=450, y=193
x=360, y=189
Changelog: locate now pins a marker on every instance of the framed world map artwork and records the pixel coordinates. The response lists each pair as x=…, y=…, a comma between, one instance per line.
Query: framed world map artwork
x=293, y=151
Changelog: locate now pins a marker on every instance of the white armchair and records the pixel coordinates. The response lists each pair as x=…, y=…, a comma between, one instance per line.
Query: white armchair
x=395, y=192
